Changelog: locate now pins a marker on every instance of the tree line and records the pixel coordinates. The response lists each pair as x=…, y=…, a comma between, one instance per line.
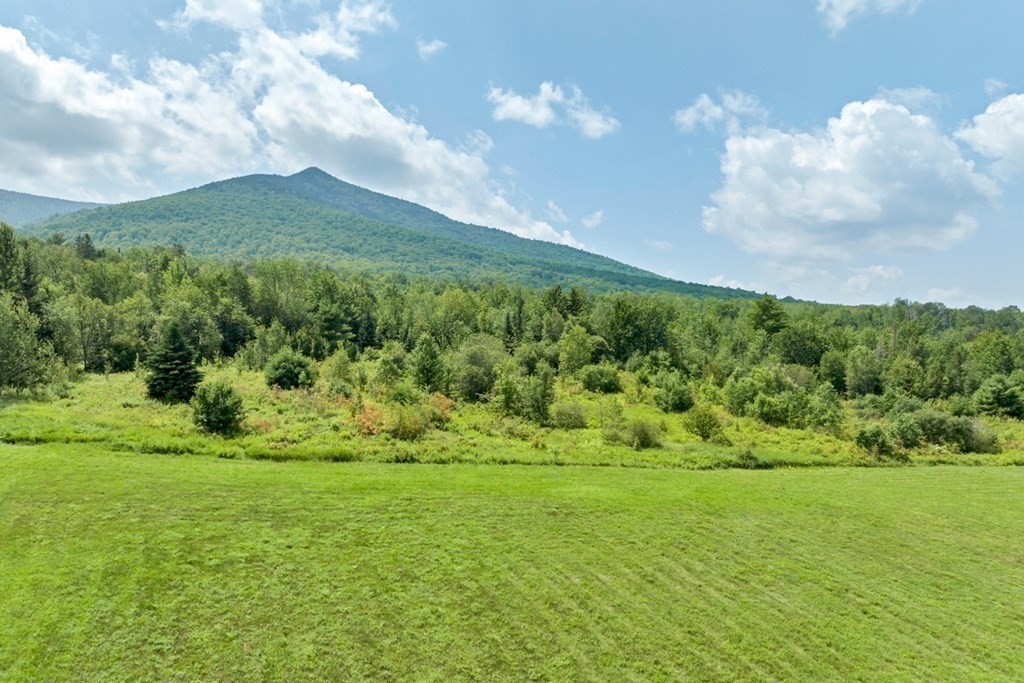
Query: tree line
x=68, y=306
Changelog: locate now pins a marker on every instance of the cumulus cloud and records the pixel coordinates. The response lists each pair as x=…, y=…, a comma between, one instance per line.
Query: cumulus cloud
x=270, y=105
x=838, y=13
x=338, y=35
x=877, y=178
x=593, y=220
x=734, y=110
x=865, y=279
x=549, y=106
x=998, y=133
x=430, y=49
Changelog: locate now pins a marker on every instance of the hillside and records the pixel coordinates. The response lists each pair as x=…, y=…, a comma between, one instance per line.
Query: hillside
x=313, y=216
x=19, y=209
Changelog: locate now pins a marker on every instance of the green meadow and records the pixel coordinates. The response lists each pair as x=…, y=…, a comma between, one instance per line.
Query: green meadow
x=133, y=566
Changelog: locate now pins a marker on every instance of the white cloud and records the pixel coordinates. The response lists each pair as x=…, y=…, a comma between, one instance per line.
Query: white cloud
x=918, y=99
x=995, y=87
x=68, y=130
x=542, y=110
x=235, y=14
x=944, y=295
x=658, y=245
x=864, y=279
x=999, y=134
x=555, y=213
x=722, y=281
x=593, y=220
x=430, y=49
x=735, y=110
x=877, y=179
x=339, y=35
x=838, y=13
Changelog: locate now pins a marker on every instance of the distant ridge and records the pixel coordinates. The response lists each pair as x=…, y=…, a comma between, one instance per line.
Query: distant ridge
x=315, y=217
x=19, y=209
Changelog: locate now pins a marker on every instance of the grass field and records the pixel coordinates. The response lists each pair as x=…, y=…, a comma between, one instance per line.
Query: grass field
x=113, y=413
x=127, y=566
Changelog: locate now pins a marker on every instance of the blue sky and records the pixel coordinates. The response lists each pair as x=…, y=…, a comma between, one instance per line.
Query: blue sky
x=839, y=150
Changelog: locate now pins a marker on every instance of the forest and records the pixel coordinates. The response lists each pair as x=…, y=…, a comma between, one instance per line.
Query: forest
x=405, y=352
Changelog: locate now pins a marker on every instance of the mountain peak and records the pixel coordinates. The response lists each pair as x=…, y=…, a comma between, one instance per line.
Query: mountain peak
x=313, y=172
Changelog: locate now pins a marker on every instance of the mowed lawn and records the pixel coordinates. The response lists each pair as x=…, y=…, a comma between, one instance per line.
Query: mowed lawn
x=144, y=567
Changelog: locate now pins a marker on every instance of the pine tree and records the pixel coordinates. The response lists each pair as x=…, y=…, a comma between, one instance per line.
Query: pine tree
x=769, y=315
x=426, y=364
x=10, y=260
x=173, y=375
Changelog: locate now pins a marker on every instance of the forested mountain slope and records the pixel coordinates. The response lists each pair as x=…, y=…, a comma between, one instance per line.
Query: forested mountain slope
x=19, y=209
x=313, y=216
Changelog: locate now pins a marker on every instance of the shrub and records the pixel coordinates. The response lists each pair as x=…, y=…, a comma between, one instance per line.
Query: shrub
x=288, y=369
x=674, y=395
x=702, y=421
x=609, y=412
x=905, y=431
x=770, y=409
x=217, y=409
x=569, y=415
x=601, y=379
x=406, y=423
x=971, y=436
x=638, y=433
x=747, y=460
x=439, y=409
x=875, y=440
x=336, y=374
x=962, y=406
x=935, y=426
x=405, y=394
x=368, y=420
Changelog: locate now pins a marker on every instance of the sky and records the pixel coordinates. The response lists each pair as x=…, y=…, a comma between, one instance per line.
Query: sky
x=850, y=151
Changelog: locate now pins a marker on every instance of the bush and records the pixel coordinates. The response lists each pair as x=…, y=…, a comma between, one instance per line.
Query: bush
x=747, y=460
x=702, y=421
x=405, y=394
x=971, y=436
x=406, y=423
x=288, y=369
x=439, y=409
x=601, y=379
x=217, y=409
x=569, y=415
x=875, y=440
x=639, y=434
x=905, y=431
x=336, y=374
x=962, y=406
x=674, y=395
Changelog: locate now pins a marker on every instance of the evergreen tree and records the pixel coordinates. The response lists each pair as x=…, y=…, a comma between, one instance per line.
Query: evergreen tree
x=769, y=315
x=173, y=375
x=426, y=365
x=10, y=260
x=999, y=396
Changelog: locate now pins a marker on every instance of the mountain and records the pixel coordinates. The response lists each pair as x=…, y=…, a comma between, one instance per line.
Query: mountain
x=315, y=217
x=19, y=209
